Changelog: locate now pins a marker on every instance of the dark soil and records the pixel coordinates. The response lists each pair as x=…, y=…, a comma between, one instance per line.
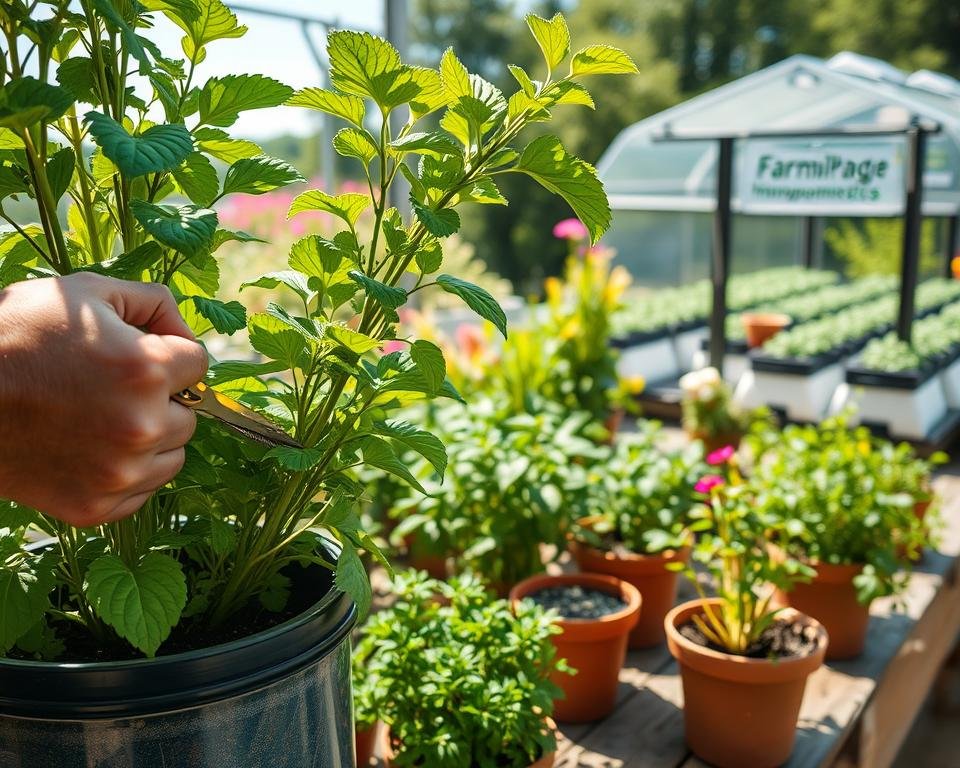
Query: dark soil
x=781, y=640
x=308, y=585
x=576, y=602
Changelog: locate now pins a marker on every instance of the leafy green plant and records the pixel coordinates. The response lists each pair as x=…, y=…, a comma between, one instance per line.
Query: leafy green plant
x=833, y=489
x=228, y=533
x=933, y=338
x=639, y=497
x=708, y=410
x=462, y=681
x=732, y=545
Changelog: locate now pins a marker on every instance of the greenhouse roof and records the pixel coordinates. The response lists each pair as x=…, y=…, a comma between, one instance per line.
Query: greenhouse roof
x=643, y=170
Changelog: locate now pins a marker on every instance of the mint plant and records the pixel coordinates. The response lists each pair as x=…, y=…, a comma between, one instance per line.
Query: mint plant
x=228, y=533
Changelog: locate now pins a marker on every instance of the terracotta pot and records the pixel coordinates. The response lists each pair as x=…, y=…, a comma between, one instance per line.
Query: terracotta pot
x=921, y=508
x=761, y=326
x=367, y=741
x=648, y=573
x=612, y=424
x=422, y=559
x=546, y=761
x=832, y=600
x=739, y=712
x=596, y=648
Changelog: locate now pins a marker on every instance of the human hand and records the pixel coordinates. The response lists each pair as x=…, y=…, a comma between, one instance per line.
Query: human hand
x=87, y=427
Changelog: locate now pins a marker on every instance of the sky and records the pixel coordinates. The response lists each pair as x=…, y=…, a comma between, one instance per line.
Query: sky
x=276, y=48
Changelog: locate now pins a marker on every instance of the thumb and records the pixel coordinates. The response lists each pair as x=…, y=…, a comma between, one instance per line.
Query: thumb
x=148, y=306
x=185, y=361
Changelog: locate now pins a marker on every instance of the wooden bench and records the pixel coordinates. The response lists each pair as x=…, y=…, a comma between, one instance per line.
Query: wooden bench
x=854, y=713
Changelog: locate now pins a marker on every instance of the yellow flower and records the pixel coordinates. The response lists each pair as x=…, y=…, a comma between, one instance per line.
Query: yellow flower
x=570, y=329
x=633, y=384
x=554, y=289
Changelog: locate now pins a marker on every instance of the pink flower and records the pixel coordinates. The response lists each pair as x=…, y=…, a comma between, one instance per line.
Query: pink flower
x=707, y=483
x=570, y=229
x=720, y=456
x=394, y=345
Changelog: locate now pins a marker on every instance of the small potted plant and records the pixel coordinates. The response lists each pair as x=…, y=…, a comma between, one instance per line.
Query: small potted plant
x=760, y=326
x=459, y=679
x=595, y=614
x=830, y=487
x=633, y=512
x=709, y=412
x=743, y=663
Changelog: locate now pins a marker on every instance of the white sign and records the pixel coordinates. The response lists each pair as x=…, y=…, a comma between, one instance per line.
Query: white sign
x=835, y=177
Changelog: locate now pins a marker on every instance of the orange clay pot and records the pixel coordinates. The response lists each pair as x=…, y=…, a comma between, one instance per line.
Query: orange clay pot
x=596, y=648
x=739, y=712
x=366, y=743
x=762, y=326
x=832, y=600
x=546, y=761
x=713, y=443
x=421, y=559
x=648, y=573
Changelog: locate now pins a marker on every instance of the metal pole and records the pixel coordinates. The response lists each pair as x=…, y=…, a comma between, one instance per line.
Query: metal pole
x=395, y=25
x=808, y=240
x=909, y=268
x=720, y=261
x=950, y=246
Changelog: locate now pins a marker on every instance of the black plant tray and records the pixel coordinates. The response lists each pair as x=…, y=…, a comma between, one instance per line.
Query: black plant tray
x=794, y=366
x=732, y=346
x=909, y=380
x=635, y=338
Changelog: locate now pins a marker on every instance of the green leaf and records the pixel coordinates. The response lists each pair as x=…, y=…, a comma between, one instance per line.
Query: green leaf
x=342, y=105
x=355, y=142
x=295, y=459
x=13, y=181
x=574, y=180
x=436, y=144
x=188, y=229
x=257, y=175
x=231, y=370
x=183, y=10
x=10, y=140
x=200, y=275
x=24, y=597
x=432, y=95
x=214, y=22
x=222, y=236
x=454, y=76
x=347, y=206
x=130, y=265
x=440, y=223
x=76, y=75
x=274, y=339
x=521, y=76
x=352, y=577
x=378, y=453
x=224, y=98
x=483, y=191
x=568, y=92
x=142, y=603
x=475, y=297
x=364, y=65
x=216, y=142
x=226, y=318
x=552, y=36
x=223, y=536
x=388, y=296
x=352, y=340
x=161, y=148
x=601, y=60
x=426, y=444
x=428, y=358
x=322, y=259
x=115, y=22
x=429, y=257
x=276, y=592
x=27, y=101
x=288, y=277
x=198, y=180
x=60, y=171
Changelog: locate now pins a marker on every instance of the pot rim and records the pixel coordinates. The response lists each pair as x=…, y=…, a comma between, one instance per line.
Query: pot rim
x=609, y=625
x=665, y=556
x=765, y=318
x=729, y=666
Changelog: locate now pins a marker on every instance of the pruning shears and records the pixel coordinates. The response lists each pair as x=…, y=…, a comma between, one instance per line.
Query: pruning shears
x=233, y=415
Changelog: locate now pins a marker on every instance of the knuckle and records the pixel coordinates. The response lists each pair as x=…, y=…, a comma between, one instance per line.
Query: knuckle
x=139, y=432
x=90, y=513
x=118, y=477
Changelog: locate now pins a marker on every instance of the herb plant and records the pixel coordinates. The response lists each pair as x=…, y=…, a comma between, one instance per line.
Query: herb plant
x=462, y=681
x=226, y=533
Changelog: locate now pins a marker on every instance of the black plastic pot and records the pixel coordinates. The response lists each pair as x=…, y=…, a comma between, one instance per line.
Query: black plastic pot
x=278, y=699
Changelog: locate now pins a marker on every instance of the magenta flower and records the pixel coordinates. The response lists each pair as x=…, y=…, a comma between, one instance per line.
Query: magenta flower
x=720, y=456
x=570, y=229
x=393, y=345
x=707, y=483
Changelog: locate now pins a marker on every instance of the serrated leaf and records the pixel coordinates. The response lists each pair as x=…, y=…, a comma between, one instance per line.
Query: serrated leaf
x=552, y=36
x=27, y=101
x=322, y=259
x=483, y=191
x=435, y=144
x=355, y=142
x=231, y=370
x=454, y=76
x=429, y=258
x=352, y=578
x=76, y=75
x=343, y=105
x=364, y=65
x=160, y=148
x=441, y=223
x=130, y=265
x=521, y=76
x=424, y=443
x=296, y=459
x=198, y=180
x=142, y=603
x=288, y=277
x=188, y=229
x=428, y=358
x=222, y=99
x=378, y=453
x=216, y=142
x=546, y=160
x=115, y=22
x=199, y=276
x=60, y=171
x=227, y=318
x=213, y=22
x=223, y=536
x=24, y=596
x=347, y=206
x=568, y=92
x=432, y=95
x=10, y=140
x=222, y=236
x=274, y=339
x=184, y=10
x=257, y=175
x=412, y=381
x=475, y=297
x=601, y=60
x=352, y=340
x=13, y=181
x=388, y=296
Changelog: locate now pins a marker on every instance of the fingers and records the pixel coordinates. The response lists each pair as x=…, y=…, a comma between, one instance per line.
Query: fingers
x=181, y=423
x=187, y=362
x=160, y=471
x=148, y=306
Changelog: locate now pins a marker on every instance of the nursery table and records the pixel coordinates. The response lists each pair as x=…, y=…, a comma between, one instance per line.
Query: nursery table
x=854, y=713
